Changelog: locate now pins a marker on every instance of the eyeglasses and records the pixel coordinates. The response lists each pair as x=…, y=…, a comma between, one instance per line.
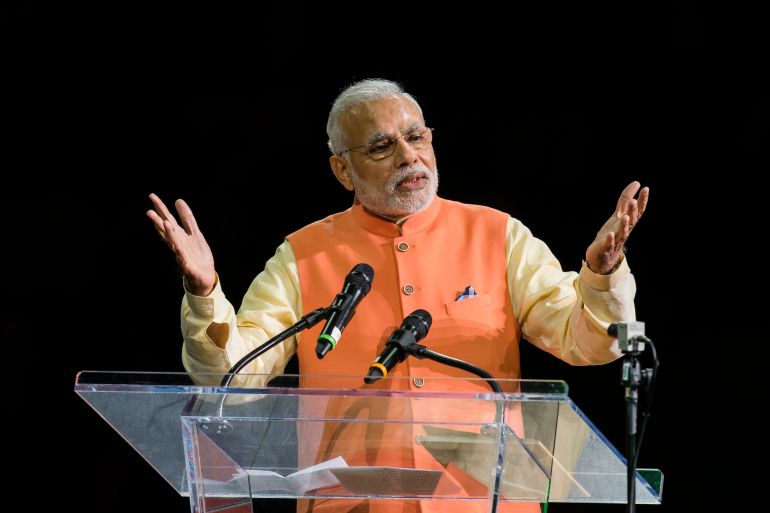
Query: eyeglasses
x=384, y=148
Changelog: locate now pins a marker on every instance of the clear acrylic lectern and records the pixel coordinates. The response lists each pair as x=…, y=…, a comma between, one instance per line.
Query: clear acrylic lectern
x=337, y=439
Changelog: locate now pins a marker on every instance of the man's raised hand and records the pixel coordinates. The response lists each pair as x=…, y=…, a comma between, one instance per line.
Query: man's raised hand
x=190, y=248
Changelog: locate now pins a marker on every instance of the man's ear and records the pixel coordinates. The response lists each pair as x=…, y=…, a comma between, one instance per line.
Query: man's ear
x=341, y=169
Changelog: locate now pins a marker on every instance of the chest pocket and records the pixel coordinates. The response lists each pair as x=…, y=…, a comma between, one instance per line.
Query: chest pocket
x=472, y=317
x=461, y=308
x=466, y=328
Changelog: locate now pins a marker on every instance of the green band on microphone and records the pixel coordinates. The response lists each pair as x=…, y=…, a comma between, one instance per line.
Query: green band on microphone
x=328, y=338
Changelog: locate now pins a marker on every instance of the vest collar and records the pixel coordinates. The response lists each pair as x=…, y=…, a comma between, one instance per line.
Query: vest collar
x=413, y=224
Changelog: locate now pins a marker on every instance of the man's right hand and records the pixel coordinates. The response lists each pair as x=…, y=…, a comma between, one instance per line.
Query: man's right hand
x=188, y=244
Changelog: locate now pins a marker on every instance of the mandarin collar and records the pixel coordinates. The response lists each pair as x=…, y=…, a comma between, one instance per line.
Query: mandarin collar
x=413, y=224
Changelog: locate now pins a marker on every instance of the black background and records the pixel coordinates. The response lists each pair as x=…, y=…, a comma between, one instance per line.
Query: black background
x=545, y=113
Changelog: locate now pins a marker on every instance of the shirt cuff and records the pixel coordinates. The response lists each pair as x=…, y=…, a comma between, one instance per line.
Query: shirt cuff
x=604, y=281
x=205, y=306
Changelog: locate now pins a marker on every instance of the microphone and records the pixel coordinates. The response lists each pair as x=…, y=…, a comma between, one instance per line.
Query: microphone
x=358, y=282
x=413, y=329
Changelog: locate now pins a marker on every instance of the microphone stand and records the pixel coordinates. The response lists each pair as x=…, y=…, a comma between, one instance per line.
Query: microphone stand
x=307, y=321
x=632, y=377
x=421, y=352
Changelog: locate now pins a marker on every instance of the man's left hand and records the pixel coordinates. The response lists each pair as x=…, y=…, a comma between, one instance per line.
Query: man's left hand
x=605, y=251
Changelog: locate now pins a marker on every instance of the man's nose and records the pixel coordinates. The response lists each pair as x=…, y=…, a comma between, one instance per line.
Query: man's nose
x=405, y=155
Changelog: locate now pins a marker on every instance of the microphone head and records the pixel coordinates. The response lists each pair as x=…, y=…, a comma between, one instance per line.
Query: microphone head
x=362, y=275
x=373, y=375
x=419, y=323
x=323, y=346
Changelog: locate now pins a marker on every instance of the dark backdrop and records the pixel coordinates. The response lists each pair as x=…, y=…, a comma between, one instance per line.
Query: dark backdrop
x=544, y=113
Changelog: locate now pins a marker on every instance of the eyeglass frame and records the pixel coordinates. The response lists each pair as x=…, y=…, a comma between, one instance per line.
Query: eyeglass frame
x=421, y=130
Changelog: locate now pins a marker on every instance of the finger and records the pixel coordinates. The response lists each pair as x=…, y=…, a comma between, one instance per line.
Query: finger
x=161, y=209
x=175, y=238
x=644, y=196
x=186, y=217
x=178, y=245
x=632, y=212
x=609, y=241
x=623, y=231
x=157, y=223
x=628, y=194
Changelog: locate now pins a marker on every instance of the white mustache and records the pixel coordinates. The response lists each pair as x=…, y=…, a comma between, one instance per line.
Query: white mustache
x=404, y=173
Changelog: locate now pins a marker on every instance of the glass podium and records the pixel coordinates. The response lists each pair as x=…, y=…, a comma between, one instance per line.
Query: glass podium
x=334, y=438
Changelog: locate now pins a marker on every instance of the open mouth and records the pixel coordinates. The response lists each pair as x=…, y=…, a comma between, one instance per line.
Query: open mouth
x=413, y=182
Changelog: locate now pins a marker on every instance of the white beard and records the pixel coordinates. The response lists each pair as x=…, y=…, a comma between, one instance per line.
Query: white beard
x=391, y=202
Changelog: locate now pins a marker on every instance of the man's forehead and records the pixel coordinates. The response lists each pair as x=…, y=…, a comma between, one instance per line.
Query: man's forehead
x=390, y=115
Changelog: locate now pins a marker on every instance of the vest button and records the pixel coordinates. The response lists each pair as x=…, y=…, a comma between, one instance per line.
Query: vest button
x=418, y=382
x=402, y=246
x=408, y=289
x=419, y=439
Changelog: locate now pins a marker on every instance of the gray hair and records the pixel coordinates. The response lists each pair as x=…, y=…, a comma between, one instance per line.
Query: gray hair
x=365, y=91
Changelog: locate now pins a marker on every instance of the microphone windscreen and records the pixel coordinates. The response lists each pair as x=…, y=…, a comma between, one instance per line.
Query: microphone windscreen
x=421, y=320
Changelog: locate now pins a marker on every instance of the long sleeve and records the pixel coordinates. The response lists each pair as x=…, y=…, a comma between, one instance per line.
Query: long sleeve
x=271, y=304
x=565, y=313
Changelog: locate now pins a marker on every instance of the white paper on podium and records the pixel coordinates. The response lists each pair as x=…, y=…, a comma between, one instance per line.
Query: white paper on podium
x=392, y=481
x=298, y=483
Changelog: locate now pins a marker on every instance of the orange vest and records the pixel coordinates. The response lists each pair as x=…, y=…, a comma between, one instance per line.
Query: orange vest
x=435, y=256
